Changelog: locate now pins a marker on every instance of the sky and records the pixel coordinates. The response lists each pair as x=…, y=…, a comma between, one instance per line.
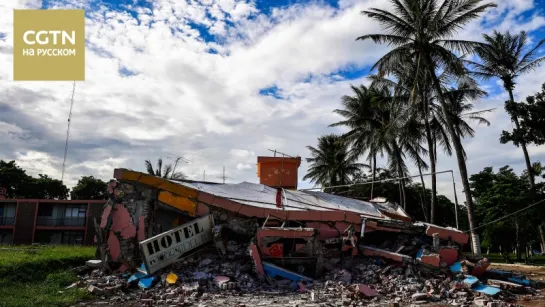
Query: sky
x=220, y=82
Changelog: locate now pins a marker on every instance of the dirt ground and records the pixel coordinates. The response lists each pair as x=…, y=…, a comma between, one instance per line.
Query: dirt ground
x=532, y=272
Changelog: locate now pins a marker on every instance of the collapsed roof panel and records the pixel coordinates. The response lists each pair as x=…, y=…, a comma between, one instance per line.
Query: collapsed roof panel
x=262, y=196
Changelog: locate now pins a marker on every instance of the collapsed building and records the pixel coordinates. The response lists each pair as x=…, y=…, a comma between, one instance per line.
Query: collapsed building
x=280, y=221
x=151, y=223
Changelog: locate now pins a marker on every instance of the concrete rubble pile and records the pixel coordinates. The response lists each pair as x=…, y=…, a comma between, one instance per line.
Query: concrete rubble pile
x=183, y=243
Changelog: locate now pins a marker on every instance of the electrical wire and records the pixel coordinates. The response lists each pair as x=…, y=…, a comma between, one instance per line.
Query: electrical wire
x=508, y=215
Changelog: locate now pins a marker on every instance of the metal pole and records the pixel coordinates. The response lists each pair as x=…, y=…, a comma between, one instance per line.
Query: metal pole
x=68, y=130
x=175, y=164
x=455, y=199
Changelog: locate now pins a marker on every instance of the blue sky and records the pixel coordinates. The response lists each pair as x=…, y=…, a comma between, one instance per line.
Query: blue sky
x=220, y=82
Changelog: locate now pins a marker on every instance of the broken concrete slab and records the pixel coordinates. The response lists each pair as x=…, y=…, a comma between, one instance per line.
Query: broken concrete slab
x=505, y=285
x=366, y=290
x=377, y=252
x=94, y=263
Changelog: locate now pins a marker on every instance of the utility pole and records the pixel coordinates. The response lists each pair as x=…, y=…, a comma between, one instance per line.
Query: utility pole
x=224, y=177
x=204, y=175
x=68, y=130
x=176, y=159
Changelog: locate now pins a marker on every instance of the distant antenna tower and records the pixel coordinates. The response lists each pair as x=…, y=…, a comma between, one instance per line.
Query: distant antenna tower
x=176, y=159
x=223, y=176
x=280, y=153
x=68, y=130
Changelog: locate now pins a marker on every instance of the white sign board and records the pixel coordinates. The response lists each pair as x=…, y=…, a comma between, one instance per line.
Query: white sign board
x=166, y=248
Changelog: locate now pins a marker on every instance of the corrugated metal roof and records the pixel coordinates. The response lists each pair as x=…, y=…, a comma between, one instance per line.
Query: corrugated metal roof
x=262, y=196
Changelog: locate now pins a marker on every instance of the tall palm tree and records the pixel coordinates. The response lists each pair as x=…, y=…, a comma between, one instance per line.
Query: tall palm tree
x=379, y=123
x=163, y=171
x=502, y=57
x=421, y=31
x=359, y=116
x=331, y=163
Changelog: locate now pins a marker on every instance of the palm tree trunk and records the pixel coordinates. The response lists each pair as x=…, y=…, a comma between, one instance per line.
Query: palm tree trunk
x=515, y=119
x=542, y=236
x=517, y=240
x=424, y=199
x=529, y=167
x=374, y=158
x=459, y=157
x=431, y=151
x=397, y=152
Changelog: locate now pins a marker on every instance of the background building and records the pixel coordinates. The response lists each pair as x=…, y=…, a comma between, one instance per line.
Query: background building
x=44, y=221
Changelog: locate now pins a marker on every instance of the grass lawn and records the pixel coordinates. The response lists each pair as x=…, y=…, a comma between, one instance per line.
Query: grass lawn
x=497, y=258
x=38, y=277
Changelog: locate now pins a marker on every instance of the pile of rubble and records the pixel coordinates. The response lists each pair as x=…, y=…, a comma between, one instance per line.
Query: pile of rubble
x=170, y=243
x=207, y=280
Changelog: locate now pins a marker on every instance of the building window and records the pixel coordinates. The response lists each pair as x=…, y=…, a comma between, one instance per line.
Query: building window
x=72, y=237
x=75, y=211
x=45, y=210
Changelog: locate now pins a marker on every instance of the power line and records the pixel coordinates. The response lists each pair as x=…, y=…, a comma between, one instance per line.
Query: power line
x=68, y=130
x=508, y=215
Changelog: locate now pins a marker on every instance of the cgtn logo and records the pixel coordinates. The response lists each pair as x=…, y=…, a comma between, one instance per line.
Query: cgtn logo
x=51, y=43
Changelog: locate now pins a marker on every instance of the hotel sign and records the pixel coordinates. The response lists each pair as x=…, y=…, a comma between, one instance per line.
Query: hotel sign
x=167, y=248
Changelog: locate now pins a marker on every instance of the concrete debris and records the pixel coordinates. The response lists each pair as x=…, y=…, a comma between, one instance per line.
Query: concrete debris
x=94, y=263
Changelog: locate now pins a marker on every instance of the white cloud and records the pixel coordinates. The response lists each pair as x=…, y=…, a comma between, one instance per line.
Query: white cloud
x=243, y=166
x=180, y=98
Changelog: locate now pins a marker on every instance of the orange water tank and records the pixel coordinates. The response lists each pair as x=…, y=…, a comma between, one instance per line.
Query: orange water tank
x=278, y=172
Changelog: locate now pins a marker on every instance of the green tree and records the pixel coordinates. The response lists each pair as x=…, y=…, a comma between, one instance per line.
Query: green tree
x=498, y=194
x=14, y=179
x=45, y=187
x=331, y=163
x=503, y=57
x=421, y=31
x=531, y=117
x=163, y=171
x=89, y=187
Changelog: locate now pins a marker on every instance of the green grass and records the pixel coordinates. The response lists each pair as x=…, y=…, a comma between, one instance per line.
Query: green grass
x=39, y=278
x=498, y=258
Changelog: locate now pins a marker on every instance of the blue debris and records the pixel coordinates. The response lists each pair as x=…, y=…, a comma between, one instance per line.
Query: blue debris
x=520, y=281
x=142, y=269
x=146, y=282
x=272, y=270
x=487, y=289
x=471, y=281
x=136, y=276
x=419, y=254
x=456, y=267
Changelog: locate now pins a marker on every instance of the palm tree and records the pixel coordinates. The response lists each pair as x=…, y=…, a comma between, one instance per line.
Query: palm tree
x=379, y=124
x=421, y=31
x=502, y=57
x=163, y=172
x=360, y=119
x=331, y=163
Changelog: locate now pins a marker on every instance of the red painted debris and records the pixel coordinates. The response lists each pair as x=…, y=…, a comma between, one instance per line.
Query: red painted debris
x=431, y=259
x=449, y=255
x=113, y=244
x=254, y=252
x=480, y=267
x=447, y=234
x=365, y=290
x=105, y=215
x=276, y=250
